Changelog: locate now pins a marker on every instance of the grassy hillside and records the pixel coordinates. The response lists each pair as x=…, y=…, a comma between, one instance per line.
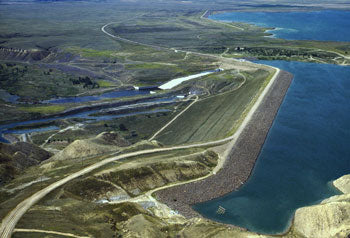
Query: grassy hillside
x=217, y=116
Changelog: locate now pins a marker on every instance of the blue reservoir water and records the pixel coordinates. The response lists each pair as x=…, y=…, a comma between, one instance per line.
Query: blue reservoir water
x=307, y=147
x=315, y=25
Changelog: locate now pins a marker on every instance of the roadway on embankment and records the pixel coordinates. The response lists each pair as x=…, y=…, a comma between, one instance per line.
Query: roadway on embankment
x=9, y=222
x=239, y=163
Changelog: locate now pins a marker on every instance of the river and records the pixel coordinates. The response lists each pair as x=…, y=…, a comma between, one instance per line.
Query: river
x=136, y=109
x=8, y=128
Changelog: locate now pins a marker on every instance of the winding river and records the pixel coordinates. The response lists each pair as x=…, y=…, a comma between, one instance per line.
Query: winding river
x=308, y=144
x=88, y=115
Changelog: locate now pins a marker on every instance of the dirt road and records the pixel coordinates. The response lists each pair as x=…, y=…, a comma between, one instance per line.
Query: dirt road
x=9, y=222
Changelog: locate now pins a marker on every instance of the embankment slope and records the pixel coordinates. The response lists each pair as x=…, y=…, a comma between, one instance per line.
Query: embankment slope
x=241, y=160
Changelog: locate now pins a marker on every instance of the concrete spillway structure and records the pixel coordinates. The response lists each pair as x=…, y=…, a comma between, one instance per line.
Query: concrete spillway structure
x=173, y=83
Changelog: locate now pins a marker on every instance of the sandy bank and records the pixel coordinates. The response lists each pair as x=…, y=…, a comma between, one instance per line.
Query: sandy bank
x=240, y=162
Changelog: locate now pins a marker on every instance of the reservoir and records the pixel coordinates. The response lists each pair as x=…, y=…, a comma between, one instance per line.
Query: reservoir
x=321, y=25
x=306, y=148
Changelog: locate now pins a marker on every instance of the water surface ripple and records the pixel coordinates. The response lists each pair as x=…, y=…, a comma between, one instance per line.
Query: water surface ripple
x=306, y=148
x=314, y=25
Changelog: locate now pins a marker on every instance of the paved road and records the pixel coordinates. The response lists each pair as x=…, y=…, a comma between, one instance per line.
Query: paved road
x=196, y=99
x=9, y=222
x=103, y=29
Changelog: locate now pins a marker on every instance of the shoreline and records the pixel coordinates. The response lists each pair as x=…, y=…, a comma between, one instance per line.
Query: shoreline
x=240, y=161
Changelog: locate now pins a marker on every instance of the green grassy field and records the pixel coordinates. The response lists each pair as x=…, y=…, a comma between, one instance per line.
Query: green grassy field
x=66, y=45
x=33, y=83
x=133, y=128
x=199, y=34
x=215, y=117
x=70, y=34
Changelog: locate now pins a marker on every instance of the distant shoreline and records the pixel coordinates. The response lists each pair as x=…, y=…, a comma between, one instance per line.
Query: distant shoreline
x=240, y=162
x=285, y=8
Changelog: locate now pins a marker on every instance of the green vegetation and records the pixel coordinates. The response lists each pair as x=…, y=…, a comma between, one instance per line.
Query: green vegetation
x=190, y=32
x=45, y=54
x=33, y=83
x=145, y=66
x=141, y=127
x=71, y=206
x=133, y=128
x=155, y=172
x=14, y=158
x=218, y=83
x=105, y=84
x=66, y=59
x=139, y=175
x=9, y=113
x=92, y=53
x=288, y=53
x=43, y=109
x=215, y=117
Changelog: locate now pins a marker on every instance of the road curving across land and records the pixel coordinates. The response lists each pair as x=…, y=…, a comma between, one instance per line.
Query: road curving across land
x=9, y=222
x=49, y=232
x=243, y=152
